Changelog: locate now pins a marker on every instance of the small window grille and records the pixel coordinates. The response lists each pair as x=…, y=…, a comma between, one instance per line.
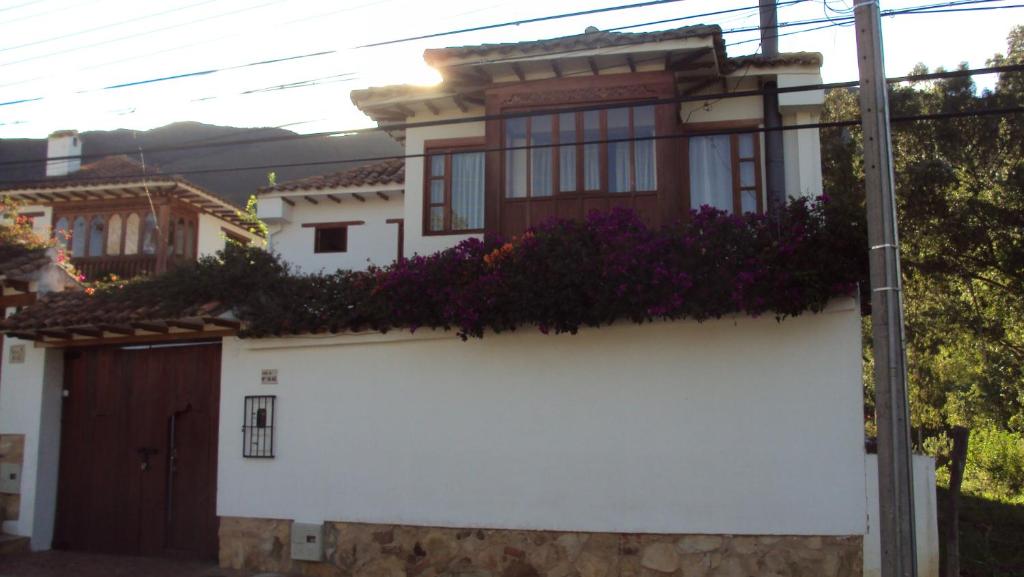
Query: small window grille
x=258, y=427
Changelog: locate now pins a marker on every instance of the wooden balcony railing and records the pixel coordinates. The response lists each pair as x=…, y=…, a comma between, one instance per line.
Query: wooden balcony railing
x=97, y=267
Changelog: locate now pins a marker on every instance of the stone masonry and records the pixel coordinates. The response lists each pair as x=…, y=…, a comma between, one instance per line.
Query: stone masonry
x=369, y=550
x=12, y=448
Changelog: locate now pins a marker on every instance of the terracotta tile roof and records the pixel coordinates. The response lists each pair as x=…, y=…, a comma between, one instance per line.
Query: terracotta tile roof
x=783, y=59
x=588, y=40
x=70, y=309
x=18, y=262
x=380, y=173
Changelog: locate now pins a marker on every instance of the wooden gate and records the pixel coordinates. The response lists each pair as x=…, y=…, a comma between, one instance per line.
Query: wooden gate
x=138, y=463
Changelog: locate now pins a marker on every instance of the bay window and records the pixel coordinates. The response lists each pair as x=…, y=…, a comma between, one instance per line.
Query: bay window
x=454, y=195
x=595, y=151
x=725, y=172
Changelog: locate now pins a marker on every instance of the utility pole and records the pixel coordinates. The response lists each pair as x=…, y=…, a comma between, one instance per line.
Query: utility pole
x=895, y=475
x=775, y=164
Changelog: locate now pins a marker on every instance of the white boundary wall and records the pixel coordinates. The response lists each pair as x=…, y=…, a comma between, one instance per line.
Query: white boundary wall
x=738, y=426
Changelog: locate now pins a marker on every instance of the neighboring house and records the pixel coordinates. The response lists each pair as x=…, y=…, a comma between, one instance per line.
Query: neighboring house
x=728, y=448
x=117, y=217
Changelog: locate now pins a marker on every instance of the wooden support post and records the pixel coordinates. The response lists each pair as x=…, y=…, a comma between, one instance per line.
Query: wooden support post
x=895, y=474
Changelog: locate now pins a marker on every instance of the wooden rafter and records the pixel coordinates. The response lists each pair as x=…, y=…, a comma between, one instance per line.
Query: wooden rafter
x=117, y=329
x=359, y=197
x=382, y=195
x=219, y=322
x=460, y=102
x=191, y=325
x=288, y=201
x=631, y=63
x=686, y=60
x=93, y=332
x=701, y=85
x=556, y=69
x=152, y=327
x=432, y=107
x=593, y=65
x=311, y=200
x=333, y=198
x=518, y=70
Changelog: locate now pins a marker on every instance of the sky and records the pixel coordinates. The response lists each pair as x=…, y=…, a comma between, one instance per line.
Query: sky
x=63, y=53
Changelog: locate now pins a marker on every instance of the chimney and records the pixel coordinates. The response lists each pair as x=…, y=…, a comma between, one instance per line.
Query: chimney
x=63, y=153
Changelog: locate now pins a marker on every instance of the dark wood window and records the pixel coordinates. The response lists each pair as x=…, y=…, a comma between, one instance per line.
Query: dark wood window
x=454, y=187
x=331, y=236
x=725, y=172
x=596, y=151
x=331, y=239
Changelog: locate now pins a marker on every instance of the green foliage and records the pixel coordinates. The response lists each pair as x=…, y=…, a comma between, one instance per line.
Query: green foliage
x=16, y=229
x=960, y=202
x=995, y=465
x=249, y=219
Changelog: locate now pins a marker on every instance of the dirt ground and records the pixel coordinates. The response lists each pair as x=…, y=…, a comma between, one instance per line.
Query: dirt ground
x=67, y=564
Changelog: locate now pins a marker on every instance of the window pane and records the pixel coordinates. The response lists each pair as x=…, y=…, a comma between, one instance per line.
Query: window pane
x=746, y=145
x=190, y=239
x=114, y=235
x=567, y=154
x=331, y=239
x=78, y=237
x=179, y=238
x=131, y=234
x=644, y=150
x=618, y=152
x=61, y=232
x=436, y=218
x=710, y=172
x=747, y=176
x=748, y=200
x=437, y=165
x=467, y=191
x=515, y=160
x=97, y=236
x=436, y=191
x=592, y=152
x=149, y=235
x=540, y=158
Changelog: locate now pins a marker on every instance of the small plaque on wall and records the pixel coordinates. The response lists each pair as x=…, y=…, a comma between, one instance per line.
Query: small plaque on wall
x=17, y=354
x=268, y=377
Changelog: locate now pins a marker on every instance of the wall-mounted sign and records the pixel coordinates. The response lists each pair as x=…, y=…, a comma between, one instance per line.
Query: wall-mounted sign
x=17, y=354
x=268, y=377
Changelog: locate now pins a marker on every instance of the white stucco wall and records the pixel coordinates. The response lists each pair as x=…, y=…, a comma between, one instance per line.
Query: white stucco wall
x=739, y=426
x=925, y=519
x=30, y=405
x=211, y=238
x=375, y=241
x=415, y=241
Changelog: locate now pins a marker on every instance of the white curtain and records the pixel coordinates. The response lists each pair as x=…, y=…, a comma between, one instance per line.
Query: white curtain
x=541, y=164
x=711, y=172
x=619, y=152
x=131, y=234
x=114, y=235
x=646, y=169
x=515, y=160
x=468, y=191
x=591, y=152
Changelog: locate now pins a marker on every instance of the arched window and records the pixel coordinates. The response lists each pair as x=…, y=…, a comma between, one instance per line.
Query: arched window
x=97, y=236
x=78, y=237
x=114, y=235
x=131, y=234
x=190, y=240
x=170, y=238
x=61, y=232
x=149, y=235
x=179, y=238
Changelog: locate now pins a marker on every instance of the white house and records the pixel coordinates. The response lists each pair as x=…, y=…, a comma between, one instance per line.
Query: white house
x=728, y=448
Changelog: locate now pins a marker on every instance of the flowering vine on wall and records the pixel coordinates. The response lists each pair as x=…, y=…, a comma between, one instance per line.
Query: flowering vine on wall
x=559, y=277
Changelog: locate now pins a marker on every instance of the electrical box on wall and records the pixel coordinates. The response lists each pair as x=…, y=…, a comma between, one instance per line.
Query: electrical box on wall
x=10, y=478
x=307, y=542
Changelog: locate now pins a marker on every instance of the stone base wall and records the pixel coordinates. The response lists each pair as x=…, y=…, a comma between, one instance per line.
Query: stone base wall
x=12, y=450
x=369, y=550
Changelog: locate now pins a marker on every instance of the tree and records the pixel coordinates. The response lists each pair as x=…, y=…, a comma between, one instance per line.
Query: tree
x=960, y=187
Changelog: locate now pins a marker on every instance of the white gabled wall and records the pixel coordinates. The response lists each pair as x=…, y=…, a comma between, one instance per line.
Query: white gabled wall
x=738, y=426
x=375, y=241
x=415, y=241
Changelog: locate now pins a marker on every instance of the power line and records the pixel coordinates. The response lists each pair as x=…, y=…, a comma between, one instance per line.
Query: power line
x=138, y=34
x=520, y=22
x=720, y=132
x=105, y=26
x=547, y=111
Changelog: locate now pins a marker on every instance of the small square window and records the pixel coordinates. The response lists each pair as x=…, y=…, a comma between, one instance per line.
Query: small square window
x=334, y=239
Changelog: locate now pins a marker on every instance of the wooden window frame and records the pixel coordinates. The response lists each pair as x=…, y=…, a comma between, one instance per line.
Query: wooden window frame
x=448, y=147
x=401, y=235
x=579, y=145
x=320, y=226
x=703, y=129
